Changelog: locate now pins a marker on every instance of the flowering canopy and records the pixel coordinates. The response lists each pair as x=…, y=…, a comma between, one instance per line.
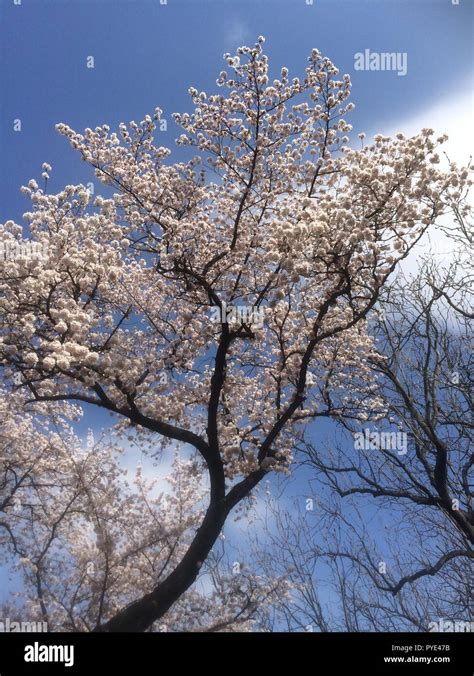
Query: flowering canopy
x=85, y=540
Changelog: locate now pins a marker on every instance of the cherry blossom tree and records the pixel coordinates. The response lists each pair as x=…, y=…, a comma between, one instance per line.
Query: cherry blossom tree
x=219, y=303
x=85, y=541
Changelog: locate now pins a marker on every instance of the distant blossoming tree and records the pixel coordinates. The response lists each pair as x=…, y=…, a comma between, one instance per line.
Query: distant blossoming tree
x=275, y=214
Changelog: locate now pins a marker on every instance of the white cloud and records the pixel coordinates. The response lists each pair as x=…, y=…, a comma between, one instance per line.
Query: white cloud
x=453, y=116
x=236, y=34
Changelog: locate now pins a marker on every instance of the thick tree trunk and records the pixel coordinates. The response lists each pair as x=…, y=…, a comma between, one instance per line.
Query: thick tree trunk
x=141, y=614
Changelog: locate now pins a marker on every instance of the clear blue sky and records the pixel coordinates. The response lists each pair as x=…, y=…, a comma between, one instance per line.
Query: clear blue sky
x=147, y=54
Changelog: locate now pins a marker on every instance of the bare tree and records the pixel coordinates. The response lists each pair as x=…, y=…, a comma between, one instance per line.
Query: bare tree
x=341, y=562
x=402, y=532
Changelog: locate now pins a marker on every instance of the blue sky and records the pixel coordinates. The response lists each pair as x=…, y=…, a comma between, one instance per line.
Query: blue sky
x=147, y=54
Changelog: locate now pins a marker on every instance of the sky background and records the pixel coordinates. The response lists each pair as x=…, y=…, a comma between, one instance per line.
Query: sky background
x=147, y=54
